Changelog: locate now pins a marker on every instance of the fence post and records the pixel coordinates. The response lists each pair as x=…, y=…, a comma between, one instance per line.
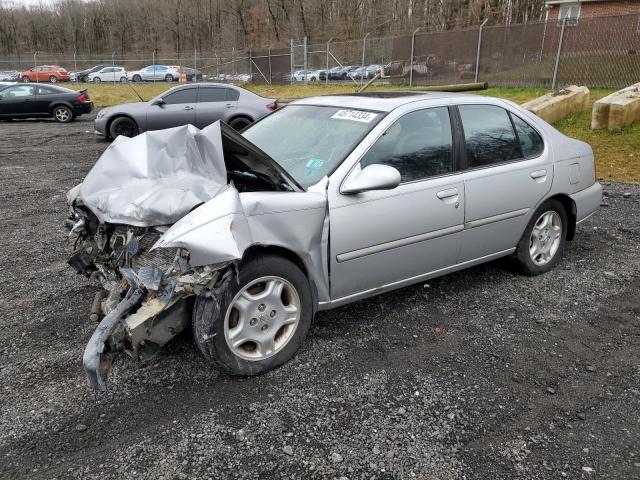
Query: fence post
x=153, y=62
x=35, y=65
x=555, y=69
x=326, y=75
x=291, y=60
x=413, y=47
x=195, y=64
x=306, y=60
x=270, y=72
x=364, y=49
x=251, y=67
x=75, y=66
x=479, y=46
x=544, y=36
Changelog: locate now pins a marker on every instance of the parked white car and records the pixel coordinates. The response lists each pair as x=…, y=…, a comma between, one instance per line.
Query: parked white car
x=108, y=74
x=155, y=72
x=301, y=75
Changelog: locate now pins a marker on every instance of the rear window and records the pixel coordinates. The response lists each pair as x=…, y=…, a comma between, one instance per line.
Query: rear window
x=530, y=140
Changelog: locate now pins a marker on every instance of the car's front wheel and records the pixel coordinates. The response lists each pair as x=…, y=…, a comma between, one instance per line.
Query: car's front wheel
x=256, y=322
x=25, y=79
x=62, y=114
x=124, y=126
x=168, y=78
x=96, y=80
x=137, y=78
x=542, y=243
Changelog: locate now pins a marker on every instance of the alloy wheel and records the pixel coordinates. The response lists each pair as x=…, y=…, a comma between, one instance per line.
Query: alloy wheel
x=262, y=318
x=545, y=237
x=62, y=114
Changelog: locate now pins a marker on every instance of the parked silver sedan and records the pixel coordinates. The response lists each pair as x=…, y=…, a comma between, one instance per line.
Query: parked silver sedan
x=326, y=201
x=195, y=104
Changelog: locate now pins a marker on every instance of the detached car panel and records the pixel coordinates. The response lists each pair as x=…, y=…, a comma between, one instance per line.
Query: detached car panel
x=246, y=236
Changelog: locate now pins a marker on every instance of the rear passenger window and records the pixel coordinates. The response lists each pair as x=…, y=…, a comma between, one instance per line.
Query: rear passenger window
x=418, y=145
x=530, y=140
x=212, y=94
x=488, y=135
x=232, y=95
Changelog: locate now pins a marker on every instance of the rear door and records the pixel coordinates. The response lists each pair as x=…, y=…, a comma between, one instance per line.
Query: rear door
x=17, y=101
x=215, y=103
x=382, y=238
x=179, y=108
x=507, y=171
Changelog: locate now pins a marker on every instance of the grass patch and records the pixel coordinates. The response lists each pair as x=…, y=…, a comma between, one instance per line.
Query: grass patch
x=617, y=152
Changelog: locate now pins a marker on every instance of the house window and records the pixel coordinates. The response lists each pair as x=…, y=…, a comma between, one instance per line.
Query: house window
x=570, y=11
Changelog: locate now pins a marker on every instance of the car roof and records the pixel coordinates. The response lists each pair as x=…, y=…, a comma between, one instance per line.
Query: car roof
x=379, y=101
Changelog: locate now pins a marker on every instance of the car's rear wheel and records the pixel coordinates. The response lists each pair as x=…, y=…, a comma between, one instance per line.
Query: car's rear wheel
x=53, y=79
x=239, y=123
x=542, y=243
x=25, y=79
x=96, y=80
x=123, y=80
x=258, y=322
x=62, y=114
x=124, y=126
x=168, y=78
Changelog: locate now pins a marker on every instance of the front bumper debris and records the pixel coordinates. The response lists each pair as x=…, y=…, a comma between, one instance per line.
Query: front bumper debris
x=96, y=361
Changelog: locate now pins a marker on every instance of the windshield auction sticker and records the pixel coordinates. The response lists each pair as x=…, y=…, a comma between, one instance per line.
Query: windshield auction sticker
x=355, y=115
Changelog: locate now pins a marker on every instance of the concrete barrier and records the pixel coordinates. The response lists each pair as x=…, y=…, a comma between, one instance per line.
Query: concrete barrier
x=618, y=109
x=556, y=105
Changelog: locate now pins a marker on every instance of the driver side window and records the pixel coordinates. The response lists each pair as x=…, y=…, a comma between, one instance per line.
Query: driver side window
x=419, y=145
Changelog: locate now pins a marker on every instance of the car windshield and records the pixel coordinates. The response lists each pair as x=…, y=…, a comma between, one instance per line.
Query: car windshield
x=309, y=142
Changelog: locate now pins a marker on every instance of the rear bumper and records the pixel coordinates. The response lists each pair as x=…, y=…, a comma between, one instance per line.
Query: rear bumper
x=587, y=201
x=85, y=107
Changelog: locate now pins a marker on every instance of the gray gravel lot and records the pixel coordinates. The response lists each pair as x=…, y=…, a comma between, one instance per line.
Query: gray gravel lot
x=525, y=378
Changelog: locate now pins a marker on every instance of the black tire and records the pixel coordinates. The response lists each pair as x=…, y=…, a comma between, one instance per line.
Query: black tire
x=62, y=114
x=96, y=80
x=522, y=253
x=53, y=79
x=240, y=123
x=209, y=315
x=168, y=78
x=25, y=79
x=123, y=79
x=137, y=78
x=124, y=126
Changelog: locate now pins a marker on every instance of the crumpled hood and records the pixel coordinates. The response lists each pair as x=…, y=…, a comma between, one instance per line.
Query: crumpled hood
x=155, y=178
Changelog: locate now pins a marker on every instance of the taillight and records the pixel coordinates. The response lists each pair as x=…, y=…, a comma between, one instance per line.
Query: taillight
x=272, y=106
x=83, y=97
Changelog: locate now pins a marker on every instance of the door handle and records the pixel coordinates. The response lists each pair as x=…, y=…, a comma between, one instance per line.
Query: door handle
x=538, y=174
x=448, y=193
x=188, y=107
x=229, y=105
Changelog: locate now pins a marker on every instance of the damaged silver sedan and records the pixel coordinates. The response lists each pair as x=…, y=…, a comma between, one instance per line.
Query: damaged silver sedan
x=326, y=201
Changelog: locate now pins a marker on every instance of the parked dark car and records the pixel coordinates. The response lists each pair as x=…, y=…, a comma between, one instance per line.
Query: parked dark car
x=342, y=73
x=83, y=75
x=197, y=104
x=32, y=100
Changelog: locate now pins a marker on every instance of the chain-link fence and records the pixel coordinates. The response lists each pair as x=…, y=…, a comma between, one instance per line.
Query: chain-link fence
x=596, y=52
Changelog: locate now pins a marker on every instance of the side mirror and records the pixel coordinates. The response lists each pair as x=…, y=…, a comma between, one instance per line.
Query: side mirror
x=159, y=102
x=373, y=177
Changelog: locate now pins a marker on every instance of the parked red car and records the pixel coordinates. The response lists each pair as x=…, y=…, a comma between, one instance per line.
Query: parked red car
x=45, y=73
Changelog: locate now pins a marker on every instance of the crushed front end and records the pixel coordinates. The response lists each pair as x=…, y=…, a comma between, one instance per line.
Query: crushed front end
x=146, y=292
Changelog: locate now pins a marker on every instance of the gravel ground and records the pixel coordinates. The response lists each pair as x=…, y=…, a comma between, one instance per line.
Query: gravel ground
x=482, y=374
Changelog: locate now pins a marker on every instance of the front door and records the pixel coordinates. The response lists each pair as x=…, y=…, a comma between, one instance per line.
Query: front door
x=179, y=108
x=17, y=101
x=214, y=103
x=381, y=238
x=507, y=171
